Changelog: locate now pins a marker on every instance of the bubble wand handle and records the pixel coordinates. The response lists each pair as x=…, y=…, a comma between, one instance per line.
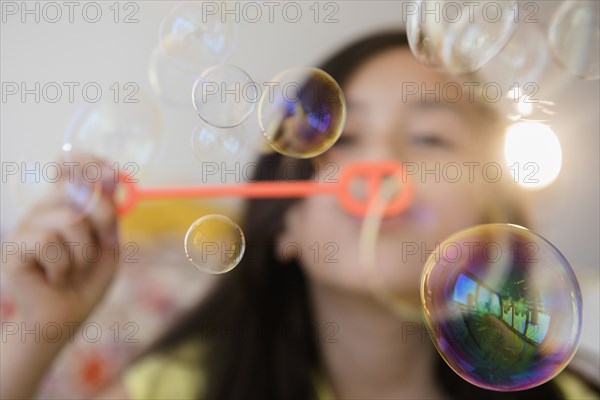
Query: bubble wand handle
x=373, y=172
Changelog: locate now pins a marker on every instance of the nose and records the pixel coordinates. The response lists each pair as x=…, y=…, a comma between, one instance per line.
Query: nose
x=384, y=142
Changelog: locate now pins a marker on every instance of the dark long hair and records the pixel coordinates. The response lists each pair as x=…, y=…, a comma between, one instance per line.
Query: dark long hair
x=256, y=327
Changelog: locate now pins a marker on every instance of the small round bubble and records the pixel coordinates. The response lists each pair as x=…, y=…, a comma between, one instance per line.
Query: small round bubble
x=224, y=95
x=193, y=36
x=169, y=82
x=214, y=244
x=227, y=143
x=502, y=306
x=522, y=62
x=303, y=113
x=574, y=37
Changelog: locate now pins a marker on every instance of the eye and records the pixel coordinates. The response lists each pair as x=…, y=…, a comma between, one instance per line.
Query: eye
x=430, y=139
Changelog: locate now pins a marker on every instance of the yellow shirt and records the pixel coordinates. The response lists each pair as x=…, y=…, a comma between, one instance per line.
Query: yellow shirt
x=175, y=378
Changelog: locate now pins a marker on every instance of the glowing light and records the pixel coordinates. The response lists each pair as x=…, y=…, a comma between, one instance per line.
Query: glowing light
x=533, y=154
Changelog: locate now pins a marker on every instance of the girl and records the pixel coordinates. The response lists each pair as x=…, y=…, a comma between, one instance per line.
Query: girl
x=285, y=327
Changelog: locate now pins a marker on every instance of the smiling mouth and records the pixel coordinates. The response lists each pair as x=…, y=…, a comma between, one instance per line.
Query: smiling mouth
x=414, y=215
x=398, y=219
x=384, y=221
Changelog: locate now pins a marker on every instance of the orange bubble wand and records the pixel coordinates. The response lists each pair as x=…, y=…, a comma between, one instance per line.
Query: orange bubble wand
x=373, y=171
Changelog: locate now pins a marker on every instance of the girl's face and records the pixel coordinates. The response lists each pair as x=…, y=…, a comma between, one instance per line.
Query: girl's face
x=386, y=122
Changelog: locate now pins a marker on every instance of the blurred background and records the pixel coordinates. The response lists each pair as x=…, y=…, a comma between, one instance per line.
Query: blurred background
x=162, y=283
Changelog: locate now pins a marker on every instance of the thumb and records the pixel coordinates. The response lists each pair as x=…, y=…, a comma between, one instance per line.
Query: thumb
x=109, y=181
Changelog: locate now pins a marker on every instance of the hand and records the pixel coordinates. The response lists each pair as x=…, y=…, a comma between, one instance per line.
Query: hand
x=61, y=261
x=48, y=278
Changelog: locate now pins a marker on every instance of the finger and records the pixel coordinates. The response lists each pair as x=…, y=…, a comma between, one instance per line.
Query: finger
x=103, y=219
x=91, y=169
x=97, y=279
x=52, y=257
x=103, y=216
x=99, y=275
x=80, y=240
x=76, y=164
x=75, y=199
x=60, y=244
x=87, y=189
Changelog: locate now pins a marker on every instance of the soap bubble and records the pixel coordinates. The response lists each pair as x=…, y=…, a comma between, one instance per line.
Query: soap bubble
x=170, y=83
x=123, y=132
x=457, y=38
x=75, y=187
x=193, y=36
x=522, y=61
x=224, y=96
x=574, y=37
x=521, y=104
x=303, y=113
x=502, y=306
x=214, y=244
x=209, y=141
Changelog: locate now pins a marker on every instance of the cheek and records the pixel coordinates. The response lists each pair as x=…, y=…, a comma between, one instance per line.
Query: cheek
x=329, y=240
x=454, y=205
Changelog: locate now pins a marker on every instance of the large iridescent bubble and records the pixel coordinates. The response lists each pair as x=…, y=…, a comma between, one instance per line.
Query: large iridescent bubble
x=502, y=306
